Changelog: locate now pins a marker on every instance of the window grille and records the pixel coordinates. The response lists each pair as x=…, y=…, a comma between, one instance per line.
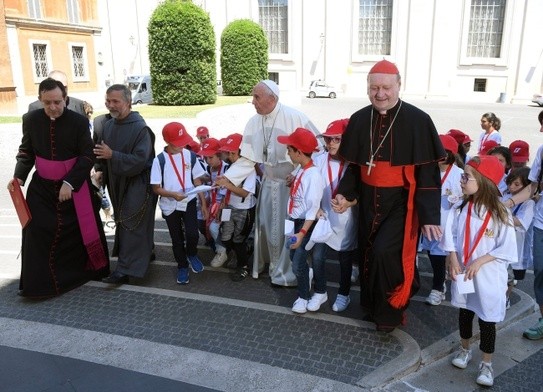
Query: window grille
x=40, y=60
x=486, y=28
x=78, y=61
x=273, y=17
x=375, y=27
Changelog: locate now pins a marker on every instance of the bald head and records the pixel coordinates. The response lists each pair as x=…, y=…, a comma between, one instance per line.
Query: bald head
x=60, y=76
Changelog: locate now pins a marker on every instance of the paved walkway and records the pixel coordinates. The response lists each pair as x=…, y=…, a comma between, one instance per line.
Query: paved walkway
x=216, y=334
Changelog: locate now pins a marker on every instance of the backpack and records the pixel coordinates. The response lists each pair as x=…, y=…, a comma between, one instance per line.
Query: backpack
x=162, y=162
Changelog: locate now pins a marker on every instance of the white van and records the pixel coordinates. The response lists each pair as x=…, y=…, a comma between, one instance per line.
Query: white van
x=140, y=85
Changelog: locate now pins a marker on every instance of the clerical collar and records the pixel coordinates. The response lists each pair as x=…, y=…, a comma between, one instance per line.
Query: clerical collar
x=390, y=111
x=273, y=113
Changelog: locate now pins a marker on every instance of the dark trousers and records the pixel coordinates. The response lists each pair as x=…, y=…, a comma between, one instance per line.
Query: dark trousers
x=488, y=330
x=438, y=265
x=183, y=225
x=345, y=259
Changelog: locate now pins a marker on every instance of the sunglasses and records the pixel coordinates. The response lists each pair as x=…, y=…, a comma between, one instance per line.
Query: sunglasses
x=335, y=139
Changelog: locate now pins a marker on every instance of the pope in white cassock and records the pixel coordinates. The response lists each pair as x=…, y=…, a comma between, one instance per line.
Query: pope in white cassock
x=260, y=147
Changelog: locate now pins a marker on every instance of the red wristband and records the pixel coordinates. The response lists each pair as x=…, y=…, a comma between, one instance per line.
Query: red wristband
x=303, y=231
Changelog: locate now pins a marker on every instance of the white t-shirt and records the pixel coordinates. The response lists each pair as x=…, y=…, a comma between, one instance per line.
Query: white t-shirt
x=494, y=135
x=171, y=182
x=244, y=203
x=490, y=282
x=307, y=197
x=344, y=225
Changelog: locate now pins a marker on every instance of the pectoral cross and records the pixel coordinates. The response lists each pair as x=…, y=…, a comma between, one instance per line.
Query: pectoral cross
x=370, y=165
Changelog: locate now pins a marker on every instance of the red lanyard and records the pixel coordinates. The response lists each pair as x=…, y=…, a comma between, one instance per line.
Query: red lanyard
x=295, y=186
x=485, y=137
x=446, y=174
x=330, y=178
x=181, y=180
x=467, y=252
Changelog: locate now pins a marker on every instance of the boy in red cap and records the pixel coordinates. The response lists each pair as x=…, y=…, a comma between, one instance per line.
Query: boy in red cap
x=210, y=207
x=520, y=153
x=171, y=180
x=202, y=133
x=464, y=144
x=241, y=201
x=481, y=240
x=303, y=204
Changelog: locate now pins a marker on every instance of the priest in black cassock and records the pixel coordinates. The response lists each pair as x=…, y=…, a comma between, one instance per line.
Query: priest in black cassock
x=393, y=149
x=64, y=245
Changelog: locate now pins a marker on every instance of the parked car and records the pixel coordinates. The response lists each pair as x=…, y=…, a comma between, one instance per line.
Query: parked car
x=538, y=98
x=140, y=86
x=319, y=88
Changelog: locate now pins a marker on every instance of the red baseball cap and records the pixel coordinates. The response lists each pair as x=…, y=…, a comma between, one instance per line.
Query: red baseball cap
x=449, y=143
x=459, y=136
x=202, y=131
x=302, y=139
x=336, y=128
x=487, y=146
x=489, y=166
x=194, y=146
x=232, y=143
x=175, y=133
x=520, y=151
x=210, y=147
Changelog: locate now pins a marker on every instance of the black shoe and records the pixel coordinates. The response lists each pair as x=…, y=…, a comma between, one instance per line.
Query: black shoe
x=239, y=274
x=116, y=278
x=384, y=328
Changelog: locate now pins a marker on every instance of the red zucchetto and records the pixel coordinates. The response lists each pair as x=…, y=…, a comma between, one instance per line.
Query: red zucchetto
x=384, y=67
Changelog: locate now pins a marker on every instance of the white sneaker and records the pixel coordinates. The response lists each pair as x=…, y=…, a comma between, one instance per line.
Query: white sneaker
x=462, y=358
x=342, y=301
x=316, y=301
x=435, y=297
x=300, y=306
x=486, y=375
x=354, y=274
x=219, y=259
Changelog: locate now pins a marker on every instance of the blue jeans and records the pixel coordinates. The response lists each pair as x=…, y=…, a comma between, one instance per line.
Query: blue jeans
x=183, y=228
x=298, y=257
x=319, y=267
x=538, y=265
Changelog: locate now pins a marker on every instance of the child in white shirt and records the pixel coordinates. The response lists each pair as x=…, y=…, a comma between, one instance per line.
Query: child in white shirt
x=480, y=238
x=303, y=204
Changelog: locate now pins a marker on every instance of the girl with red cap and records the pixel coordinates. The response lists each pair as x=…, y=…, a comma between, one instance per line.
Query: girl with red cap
x=480, y=238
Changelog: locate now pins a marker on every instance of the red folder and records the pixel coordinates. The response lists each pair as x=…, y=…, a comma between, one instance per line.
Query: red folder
x=20, y=204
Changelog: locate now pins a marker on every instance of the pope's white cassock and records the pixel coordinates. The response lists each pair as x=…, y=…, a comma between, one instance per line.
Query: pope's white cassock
x=260, y=146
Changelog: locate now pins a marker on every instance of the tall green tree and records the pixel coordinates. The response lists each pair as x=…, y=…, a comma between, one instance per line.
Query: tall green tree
x=244, y=57
x=182, y=54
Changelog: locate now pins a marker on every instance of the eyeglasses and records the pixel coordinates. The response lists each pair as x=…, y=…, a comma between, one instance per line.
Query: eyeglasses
x=464, y=178
x=335, y=139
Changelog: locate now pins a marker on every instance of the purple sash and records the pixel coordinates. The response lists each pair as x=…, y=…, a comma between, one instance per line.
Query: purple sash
x=57, y=170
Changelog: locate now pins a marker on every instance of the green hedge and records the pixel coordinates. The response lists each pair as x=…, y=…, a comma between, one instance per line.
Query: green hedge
x=182, y=55
x=244, y=57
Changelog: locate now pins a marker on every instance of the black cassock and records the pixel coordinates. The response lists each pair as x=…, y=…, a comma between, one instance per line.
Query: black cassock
x=387, y=214
x=54, y=258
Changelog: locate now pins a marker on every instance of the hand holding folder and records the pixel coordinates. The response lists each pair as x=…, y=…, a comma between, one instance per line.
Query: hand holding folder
x=19, y=202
